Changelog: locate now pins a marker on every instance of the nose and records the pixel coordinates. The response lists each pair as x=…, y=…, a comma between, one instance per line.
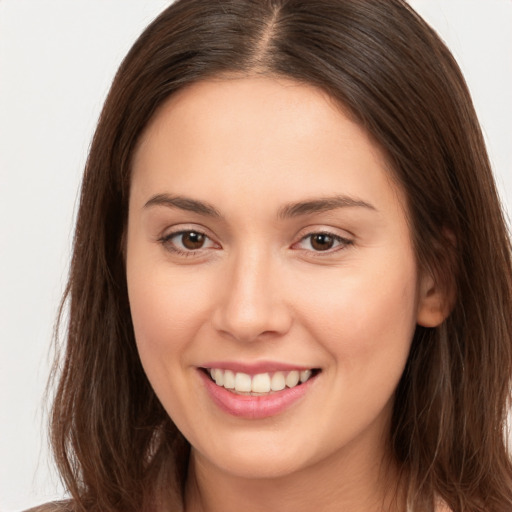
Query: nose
x=251, y=303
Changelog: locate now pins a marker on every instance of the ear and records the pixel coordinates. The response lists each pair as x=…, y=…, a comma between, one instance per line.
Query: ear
x=435, y=302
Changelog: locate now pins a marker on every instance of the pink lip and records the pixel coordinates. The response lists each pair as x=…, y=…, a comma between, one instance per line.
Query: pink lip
x=254, y=407
x=254, y=368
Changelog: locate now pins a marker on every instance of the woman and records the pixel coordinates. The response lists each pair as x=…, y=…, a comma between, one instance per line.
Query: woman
x=291, y=279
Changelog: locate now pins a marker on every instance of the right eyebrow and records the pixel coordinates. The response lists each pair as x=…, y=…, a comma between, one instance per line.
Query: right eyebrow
x=183, y=203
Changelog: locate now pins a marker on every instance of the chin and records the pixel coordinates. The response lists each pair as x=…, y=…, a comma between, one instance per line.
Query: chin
x=254, y=460
x=257, y=468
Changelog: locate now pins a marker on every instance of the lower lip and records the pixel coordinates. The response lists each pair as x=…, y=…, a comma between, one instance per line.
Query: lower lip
x=254, y=406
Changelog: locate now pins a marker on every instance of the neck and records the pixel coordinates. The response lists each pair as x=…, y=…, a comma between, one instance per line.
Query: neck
x=341, y=482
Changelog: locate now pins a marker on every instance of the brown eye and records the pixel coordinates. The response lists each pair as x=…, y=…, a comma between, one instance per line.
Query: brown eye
x=187, y=242
x=322, y=242
x=192, y=240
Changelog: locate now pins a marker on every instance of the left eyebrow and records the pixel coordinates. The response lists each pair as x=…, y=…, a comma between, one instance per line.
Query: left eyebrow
x=321, y=205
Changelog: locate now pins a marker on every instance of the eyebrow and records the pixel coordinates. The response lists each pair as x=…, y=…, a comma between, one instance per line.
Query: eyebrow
x=184, y=203
x=287, y=211
x=322, y=205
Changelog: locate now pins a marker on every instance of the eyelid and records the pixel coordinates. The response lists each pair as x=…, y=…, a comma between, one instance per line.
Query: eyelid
x=326, y=229
x=174, y=231
x=342, y=241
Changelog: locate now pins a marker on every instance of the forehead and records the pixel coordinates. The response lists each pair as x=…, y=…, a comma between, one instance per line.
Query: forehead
x=261, y=136
x=223, y=103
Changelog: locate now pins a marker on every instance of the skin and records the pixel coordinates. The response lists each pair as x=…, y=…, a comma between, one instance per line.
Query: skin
x=259, y=290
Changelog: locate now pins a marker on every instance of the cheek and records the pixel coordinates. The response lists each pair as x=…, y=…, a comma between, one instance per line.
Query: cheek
x=166, y=316
x=365, y=323
x=167, y=309
x=367, y=319
x=164, y=313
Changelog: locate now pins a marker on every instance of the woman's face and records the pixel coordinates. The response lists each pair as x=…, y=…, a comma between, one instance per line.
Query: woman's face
x=267, y=245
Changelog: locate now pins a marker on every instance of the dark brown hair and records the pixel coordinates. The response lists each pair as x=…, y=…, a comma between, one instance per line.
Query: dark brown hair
x=114, y=444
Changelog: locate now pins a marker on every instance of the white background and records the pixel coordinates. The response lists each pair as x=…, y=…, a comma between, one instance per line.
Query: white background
x=57, y=59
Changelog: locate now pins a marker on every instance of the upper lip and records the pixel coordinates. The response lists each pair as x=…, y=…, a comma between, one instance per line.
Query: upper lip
x=253, y=368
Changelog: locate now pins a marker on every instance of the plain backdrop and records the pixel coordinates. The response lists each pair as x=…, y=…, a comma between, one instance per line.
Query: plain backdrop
x=57, y=59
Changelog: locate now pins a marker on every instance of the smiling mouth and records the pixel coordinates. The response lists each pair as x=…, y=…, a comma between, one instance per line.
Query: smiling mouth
x=260, y=384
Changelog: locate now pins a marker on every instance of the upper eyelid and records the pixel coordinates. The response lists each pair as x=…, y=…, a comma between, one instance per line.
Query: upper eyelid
x=172, y=234
x=335, y=232
x=166, y=242
x=304, y=233
x=325, y=232
x=170, y=231
x=341, y=239
x=328, y=233
x=182, y=231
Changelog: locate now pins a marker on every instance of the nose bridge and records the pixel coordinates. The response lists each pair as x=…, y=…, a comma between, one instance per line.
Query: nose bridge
x=252, y=302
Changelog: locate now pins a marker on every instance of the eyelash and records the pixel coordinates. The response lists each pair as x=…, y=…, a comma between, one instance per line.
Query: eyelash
x=342, y=243
x=166, y=241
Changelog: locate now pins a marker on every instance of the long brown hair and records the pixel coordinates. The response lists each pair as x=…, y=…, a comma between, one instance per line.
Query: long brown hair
x=116, y=447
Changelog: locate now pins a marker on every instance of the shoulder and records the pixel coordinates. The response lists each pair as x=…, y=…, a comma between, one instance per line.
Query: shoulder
x=54, y=506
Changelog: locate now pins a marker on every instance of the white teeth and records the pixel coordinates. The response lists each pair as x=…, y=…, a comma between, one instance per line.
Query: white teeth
x=259, y=383
x=229, y=379
x=242, y=382
x=292, y=379
x=218, y=377
x=278, y=381
x=304, y=375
